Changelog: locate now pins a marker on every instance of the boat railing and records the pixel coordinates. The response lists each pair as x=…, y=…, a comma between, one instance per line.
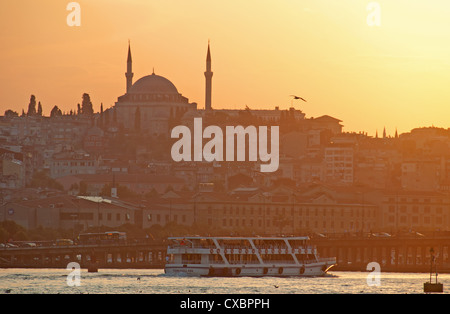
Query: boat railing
x=264, y=249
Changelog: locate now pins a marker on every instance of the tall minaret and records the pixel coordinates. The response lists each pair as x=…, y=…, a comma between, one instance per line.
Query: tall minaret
x=208, y=76
x=129, y=74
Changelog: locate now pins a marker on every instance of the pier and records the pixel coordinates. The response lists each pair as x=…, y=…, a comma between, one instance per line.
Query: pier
x=133, y=255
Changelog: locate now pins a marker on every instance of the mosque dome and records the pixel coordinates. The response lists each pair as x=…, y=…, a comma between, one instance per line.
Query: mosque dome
x=153, y=84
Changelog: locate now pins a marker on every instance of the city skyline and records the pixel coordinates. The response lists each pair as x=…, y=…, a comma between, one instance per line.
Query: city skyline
x=392, y=76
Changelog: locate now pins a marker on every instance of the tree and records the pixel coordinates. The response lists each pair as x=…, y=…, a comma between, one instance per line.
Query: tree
x=32, y=106
x=39, y=110
x=42, y=180
x=56, y=112
x=9, y=113
x=86, y=105
x=78, y=109
x=101, y=118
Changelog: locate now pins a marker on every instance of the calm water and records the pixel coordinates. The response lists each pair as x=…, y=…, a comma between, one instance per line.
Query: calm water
x=106, y=281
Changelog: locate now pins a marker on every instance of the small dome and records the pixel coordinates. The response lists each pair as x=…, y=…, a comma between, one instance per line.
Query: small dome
x=153, y=84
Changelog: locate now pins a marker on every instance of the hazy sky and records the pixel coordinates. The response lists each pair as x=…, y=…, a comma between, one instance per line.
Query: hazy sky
x=396, y=75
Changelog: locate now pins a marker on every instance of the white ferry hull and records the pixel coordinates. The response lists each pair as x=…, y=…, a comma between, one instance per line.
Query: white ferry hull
x=313, y=270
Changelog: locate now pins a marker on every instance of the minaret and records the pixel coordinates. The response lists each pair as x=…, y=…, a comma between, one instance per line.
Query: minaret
x=208, y=76
x=129, y=74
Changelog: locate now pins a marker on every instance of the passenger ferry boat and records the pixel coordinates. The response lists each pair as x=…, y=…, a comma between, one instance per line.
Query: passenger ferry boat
x=243, y=256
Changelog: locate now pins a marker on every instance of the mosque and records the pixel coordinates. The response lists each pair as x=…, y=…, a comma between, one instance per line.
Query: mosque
x=153, y=102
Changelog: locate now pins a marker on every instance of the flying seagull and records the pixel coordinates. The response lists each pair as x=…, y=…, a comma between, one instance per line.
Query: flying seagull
x=297, y=97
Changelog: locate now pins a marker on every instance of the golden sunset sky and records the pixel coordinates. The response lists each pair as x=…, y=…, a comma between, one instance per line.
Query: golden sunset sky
x=394, y=76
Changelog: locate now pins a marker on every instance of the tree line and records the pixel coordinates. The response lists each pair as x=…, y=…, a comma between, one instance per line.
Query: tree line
x=35, y=109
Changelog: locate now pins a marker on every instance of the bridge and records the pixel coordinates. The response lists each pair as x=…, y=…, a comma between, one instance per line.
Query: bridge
x=132, y=255
x=394, y=254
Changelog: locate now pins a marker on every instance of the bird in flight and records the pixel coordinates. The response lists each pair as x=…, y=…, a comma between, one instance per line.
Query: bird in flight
x=297, y=97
